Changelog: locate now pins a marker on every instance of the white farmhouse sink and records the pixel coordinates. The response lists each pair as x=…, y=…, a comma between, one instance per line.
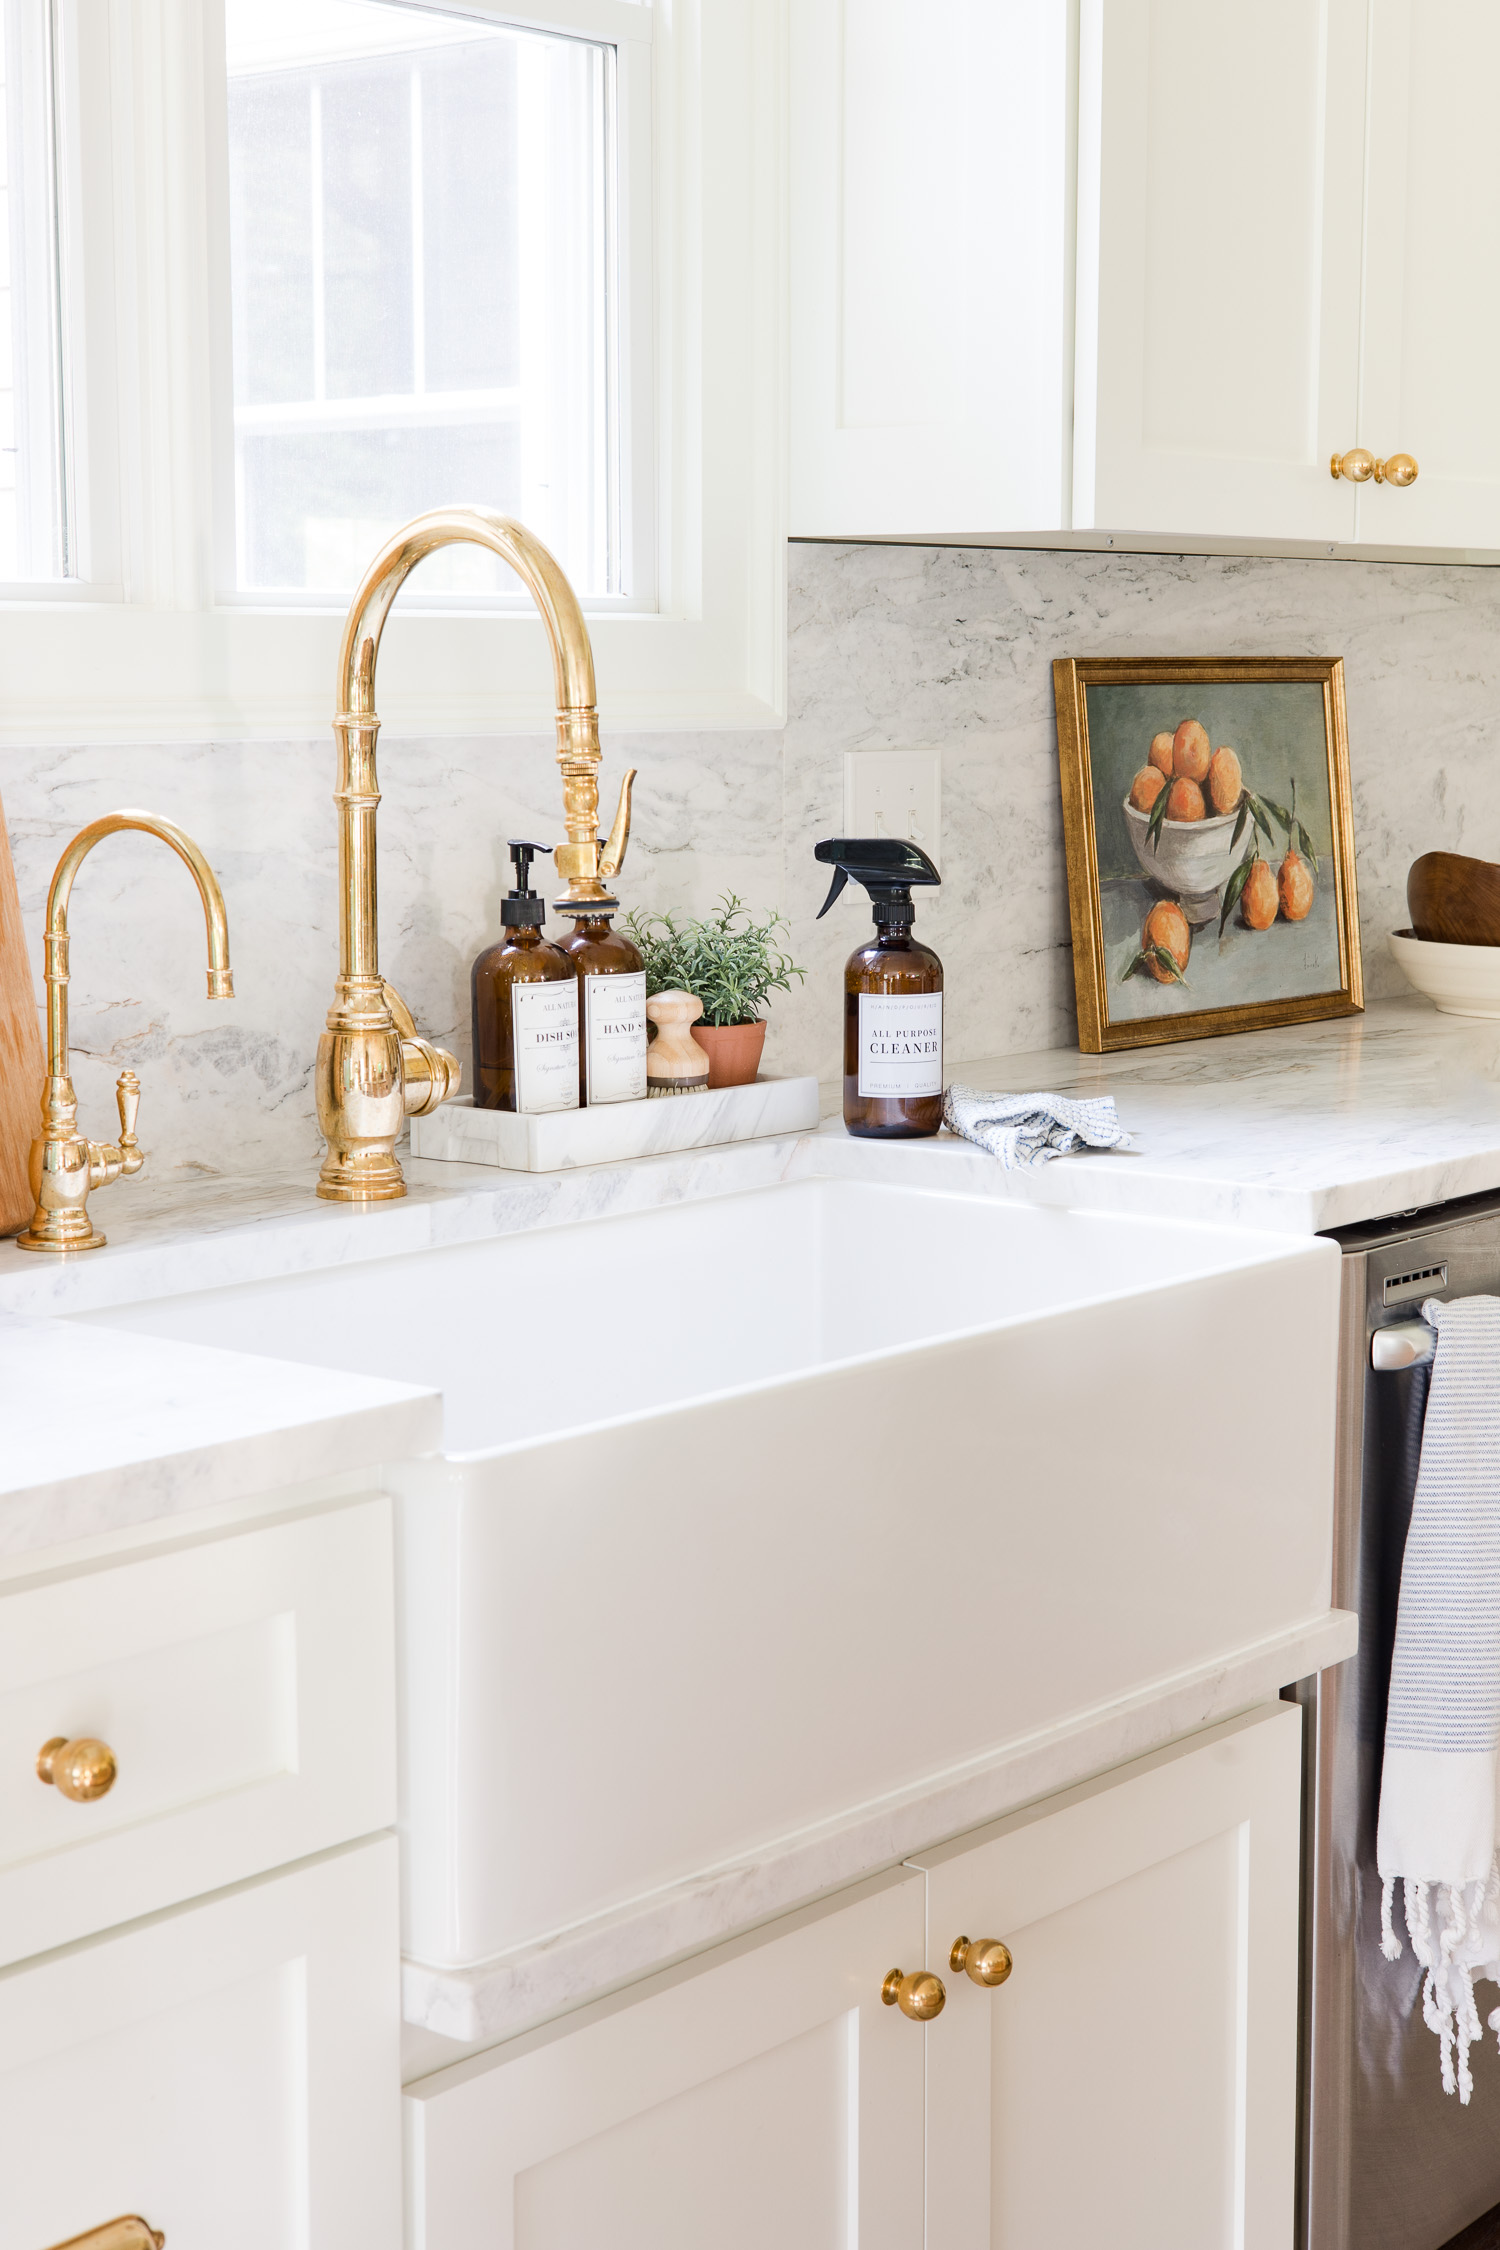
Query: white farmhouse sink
x=757, y=1510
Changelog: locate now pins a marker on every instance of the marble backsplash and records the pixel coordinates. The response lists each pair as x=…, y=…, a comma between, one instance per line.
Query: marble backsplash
x=889, y=646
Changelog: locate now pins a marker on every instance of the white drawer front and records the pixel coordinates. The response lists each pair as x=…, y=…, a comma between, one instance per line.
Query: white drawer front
x=246, y=1689
x=229, y=2072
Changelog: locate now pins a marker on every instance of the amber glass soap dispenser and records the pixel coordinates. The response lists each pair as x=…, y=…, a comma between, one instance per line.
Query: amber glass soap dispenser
x=893, y=995
x=611, y=1009
x=525, y=1008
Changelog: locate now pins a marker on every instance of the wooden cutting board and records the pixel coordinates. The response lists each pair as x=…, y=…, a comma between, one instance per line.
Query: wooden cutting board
x=23, y=1065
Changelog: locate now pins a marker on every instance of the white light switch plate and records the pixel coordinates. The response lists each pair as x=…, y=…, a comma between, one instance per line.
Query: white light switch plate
x=894, y=793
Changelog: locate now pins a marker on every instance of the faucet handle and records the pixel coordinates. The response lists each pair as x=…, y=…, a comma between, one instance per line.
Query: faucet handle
x=128, y=1101
x=612, y=857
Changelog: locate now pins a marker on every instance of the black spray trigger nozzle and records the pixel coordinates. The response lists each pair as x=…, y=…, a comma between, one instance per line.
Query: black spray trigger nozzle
x=887, y=866
x=840, y=878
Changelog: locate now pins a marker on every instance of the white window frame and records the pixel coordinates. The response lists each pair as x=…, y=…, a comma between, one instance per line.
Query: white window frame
x=150, y=646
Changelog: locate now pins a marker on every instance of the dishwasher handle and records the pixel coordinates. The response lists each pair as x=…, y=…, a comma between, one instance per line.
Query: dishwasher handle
x=1404, y=1343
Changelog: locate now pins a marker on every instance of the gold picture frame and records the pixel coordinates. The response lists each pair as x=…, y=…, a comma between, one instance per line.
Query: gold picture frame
x=1189, y=884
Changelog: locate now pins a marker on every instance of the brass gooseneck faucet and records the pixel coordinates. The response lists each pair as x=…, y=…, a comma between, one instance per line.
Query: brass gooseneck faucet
x=374, y=1070
x=65, y=1167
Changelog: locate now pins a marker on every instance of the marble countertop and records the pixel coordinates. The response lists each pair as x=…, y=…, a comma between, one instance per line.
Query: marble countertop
x=105, y=1431
x=1294, y=1131
x=1297, y=1131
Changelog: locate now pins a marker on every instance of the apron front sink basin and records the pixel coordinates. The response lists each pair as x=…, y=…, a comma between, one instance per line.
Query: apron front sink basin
x=755, y=1511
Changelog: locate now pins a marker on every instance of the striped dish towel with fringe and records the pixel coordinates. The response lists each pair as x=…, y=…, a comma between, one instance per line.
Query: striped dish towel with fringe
x=1437, y=1829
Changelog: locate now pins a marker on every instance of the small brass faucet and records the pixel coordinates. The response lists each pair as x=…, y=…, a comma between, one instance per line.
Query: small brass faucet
x=65, y=1167
x=374, y=1070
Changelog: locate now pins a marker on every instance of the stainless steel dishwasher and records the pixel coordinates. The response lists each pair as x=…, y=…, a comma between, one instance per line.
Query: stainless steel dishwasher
x=1388, y=2160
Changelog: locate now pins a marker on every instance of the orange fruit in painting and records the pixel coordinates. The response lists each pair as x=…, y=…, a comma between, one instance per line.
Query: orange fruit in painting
x=1190, y=751
x=1295, y=886
x=1161, y=754
x=1166, y=926
x=1258, y=898
x=1184, y=801
x=1224, y=780
x=1146, y=788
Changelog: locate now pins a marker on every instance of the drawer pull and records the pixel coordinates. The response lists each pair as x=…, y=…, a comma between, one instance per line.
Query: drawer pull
x=983, y=1959
x=919, y=1995
x=116, y=2234
x=82, y=1770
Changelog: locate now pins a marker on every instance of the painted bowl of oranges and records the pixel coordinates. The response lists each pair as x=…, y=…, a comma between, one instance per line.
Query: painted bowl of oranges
x=1186, y=847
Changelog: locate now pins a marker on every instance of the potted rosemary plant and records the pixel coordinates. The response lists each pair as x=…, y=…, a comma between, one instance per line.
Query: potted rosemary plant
x=730, y=962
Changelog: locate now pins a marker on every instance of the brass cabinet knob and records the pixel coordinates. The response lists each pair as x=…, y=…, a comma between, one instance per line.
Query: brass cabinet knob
x=1359, y=464
x=984, y=1959
x=82, y=1770
x=116, y=2234
x=919, y=1995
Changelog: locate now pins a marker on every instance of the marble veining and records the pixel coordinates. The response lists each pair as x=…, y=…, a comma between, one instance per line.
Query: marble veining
x=947, y=648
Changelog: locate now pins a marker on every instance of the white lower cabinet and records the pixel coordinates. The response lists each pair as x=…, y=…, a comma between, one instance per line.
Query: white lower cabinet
x=227, y=2071
x=766, y=2100
x=1132, y=2082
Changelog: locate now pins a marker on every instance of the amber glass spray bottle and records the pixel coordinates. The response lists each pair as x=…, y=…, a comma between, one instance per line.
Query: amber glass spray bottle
x=893, y=995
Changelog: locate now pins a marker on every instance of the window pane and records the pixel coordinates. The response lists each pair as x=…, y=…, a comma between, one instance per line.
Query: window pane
x=420, y=221
x=34, y=516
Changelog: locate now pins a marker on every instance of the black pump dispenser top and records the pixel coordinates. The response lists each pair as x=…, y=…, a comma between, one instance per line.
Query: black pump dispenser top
x=888, y=866
x=523, y=908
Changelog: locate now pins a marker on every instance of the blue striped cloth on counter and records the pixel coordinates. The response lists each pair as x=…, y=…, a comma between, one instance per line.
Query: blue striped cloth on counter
x=1438, y=1804
x=1029, y=1129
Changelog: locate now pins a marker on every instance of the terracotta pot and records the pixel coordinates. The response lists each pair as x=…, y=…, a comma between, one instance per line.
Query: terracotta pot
x=733, y=1051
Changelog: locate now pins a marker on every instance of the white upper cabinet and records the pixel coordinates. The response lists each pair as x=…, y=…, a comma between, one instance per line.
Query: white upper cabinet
x=1218, y=266
x=1148, y=283
x=930, y=390
x=1431, y=313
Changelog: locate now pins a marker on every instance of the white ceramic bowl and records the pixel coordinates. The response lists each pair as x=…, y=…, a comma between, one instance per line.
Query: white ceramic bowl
x=1463, y=980
x=1193, y=859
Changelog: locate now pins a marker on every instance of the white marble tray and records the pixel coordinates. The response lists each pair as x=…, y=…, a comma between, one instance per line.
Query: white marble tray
x=561, y=1139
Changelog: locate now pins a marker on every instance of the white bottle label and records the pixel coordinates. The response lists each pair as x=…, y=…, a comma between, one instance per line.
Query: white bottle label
x=544, y=1027
x=614, y=1030
x=900, y=1044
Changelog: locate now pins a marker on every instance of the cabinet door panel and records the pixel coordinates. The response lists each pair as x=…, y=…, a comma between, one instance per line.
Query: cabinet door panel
x=1218, y=265
x=769, y=2098
x=929, y=388
x=1133, y=2082
x=229, y=2071
x=247, y=1688
x=1432, y=317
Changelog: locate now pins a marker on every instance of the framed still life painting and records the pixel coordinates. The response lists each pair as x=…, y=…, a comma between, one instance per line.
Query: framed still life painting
x=1210, y=845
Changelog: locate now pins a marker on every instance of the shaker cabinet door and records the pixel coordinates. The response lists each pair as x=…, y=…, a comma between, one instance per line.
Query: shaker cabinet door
x=229, y=2072
x=929, y=385
x=1133, y=2080
x=768, y=2099
x=1432, y=313
x=1218, y=259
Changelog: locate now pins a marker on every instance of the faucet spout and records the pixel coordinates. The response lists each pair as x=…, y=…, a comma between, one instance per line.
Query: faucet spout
x=65, y=1167
x=374, y=1070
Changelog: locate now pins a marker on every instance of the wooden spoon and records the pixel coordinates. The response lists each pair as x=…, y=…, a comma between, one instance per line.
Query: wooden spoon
x=1453, y=900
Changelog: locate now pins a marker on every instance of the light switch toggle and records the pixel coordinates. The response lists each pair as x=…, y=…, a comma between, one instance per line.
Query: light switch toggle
x=894, y=793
